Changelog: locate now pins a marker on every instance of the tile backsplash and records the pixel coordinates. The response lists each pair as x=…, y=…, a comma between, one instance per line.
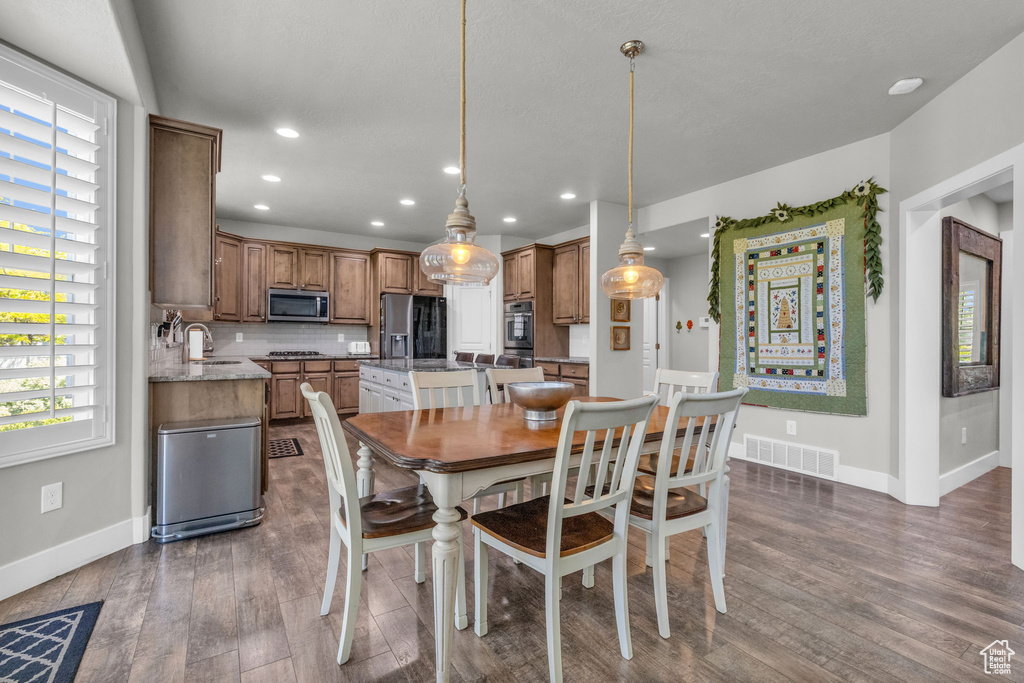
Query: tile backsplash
x=579, y=340
x=259, y=339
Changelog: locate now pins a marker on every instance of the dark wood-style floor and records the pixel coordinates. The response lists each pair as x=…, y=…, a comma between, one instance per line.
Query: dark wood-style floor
x=825, y=582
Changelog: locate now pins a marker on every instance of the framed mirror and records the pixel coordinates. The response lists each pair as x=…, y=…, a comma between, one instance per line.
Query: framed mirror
x=971, y=293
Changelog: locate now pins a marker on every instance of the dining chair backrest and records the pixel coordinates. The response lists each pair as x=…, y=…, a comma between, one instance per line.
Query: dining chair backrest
x=444, y=389
x=599, y=484
x=341, y=476
x=485, y=358
x=670, y=382
x=497, y=378
x=708, y=420
x=511, y=361
x=464, y=356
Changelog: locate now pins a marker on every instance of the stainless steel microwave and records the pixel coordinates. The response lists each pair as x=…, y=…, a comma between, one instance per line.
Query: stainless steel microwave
x=297, y=305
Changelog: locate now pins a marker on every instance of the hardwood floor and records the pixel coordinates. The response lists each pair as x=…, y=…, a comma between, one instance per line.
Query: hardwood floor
x=824, y=582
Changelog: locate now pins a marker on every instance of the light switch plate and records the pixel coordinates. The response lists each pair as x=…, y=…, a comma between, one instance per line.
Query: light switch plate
x=963, y=436
x=341, y=336
x=53, y=497
x=791, y=427
x=705, y=321
x=238, y=336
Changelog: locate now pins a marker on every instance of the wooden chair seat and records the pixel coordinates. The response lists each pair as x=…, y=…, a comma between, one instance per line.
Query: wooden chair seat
x=524, y=526
x=400, y=511
x=680, y=502
x=649, y=462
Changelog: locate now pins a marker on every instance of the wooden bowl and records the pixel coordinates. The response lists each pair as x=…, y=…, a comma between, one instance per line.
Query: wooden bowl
x=540, y=400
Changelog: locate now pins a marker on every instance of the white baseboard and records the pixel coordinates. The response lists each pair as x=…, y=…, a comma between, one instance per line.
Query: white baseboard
x=954, y=479
x=35, y=569
x=142, y=526
x=854, y=476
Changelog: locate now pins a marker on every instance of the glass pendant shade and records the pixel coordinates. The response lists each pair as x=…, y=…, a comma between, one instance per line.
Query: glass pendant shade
x=631, y=279
x=459, y=260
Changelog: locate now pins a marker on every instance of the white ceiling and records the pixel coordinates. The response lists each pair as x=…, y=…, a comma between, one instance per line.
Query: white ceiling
x=726, y=88
x=677, y=241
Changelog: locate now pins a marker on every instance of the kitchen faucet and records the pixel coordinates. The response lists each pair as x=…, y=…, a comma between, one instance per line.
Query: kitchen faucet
x=207, y=340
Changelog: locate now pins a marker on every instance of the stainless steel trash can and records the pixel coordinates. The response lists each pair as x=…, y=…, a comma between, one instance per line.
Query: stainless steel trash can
x=208, y=477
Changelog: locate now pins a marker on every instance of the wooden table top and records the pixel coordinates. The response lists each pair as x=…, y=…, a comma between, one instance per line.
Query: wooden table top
x=476, y=437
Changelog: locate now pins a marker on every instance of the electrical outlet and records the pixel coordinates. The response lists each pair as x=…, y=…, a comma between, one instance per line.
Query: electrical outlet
x=53, y=497
x=963, y=436
x=341, y=336
x=791, y=427
x=238, y=336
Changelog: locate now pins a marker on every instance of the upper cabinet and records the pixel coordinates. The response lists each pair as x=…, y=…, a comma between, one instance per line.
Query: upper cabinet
x=424, y=285
x=254, y=282
x=184, y=159
x=283, y=266
x=519, y=277
x=350, y=287
x=227, y=288
x=394, y=272
x=571, y=283
x=314, y=271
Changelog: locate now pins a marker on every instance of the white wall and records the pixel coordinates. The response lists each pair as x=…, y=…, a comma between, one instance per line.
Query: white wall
x=687, y=298
x=863, y=442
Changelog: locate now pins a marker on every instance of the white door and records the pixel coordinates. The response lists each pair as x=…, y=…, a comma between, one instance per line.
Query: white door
x=651, y=320
x=470, y=319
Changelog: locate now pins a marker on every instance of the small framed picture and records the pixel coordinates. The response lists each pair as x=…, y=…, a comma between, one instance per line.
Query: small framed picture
x=620, y=310
x=620, y=337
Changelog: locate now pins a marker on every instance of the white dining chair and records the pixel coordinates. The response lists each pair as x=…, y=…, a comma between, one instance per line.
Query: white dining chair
x=666, y=506
x=380, y=521
x=557, y=537
x=457, y=389
x=497, y=378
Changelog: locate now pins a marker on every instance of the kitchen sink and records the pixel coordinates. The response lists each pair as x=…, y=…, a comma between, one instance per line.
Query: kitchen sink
x=220, y=362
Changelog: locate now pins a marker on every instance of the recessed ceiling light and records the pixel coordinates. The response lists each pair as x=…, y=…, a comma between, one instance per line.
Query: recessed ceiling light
x=568, y=195
x=271, y=178
x=287, y=133
x=648, y=248
x=704, y=234
x=407, y=202
x=905, y=86
x=377, y=224
x=452, y=170
x=261, y=207
x=509, y=219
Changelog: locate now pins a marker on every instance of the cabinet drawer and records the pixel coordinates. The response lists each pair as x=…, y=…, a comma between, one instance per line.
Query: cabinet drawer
x=575, y=370
x=263, y=364
x=346, y=365
x=371, y=375
x=316, y=366
x=289, y=367
x=397, y=381
x=549, y=368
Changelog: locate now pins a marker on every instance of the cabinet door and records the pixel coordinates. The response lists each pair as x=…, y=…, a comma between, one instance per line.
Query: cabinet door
x=313, y=270
x=283, y=267
x=254, y=282
x=581, y=387
x=320, y=381
x=395, y=273
x=510, y=283
x=227, y=280
x=376, y=398
x=424, y=285
x=527, y=273
x=566, y=286
x=346, y=392
x=350, y=288
x=285, y=396
x=184, y=159
x=584, y=313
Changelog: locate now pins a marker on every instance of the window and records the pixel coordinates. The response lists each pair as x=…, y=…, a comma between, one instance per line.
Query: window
x=56, y=262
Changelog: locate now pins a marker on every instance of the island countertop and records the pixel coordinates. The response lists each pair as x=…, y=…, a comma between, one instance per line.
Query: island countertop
x=235, y=367
x=426, y=365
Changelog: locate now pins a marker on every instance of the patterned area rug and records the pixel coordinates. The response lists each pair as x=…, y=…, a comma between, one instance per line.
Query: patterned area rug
x=284, y=448
x=47, y=648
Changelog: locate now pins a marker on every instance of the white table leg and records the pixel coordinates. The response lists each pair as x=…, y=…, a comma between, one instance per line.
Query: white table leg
x=447, y=493
x=364, y=477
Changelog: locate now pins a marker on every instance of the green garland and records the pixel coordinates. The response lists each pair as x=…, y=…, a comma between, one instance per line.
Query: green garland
x=866, y=192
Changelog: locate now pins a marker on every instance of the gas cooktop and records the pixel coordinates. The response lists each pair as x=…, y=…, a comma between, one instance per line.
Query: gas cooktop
x=295, y=353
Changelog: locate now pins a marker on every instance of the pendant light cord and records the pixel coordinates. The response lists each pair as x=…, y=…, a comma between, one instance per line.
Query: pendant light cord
x=462, y=113
x=630, y=142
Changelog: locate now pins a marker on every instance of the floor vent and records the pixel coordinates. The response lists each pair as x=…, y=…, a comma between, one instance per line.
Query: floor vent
x=819, y=462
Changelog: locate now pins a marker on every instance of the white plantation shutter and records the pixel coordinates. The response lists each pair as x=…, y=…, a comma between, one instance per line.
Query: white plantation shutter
x=56, y=262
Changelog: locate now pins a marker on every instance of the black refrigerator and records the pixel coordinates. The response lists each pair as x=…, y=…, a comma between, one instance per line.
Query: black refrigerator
x=413, y=326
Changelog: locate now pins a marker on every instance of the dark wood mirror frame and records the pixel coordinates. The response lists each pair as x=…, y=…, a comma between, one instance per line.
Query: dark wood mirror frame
x=962, y=379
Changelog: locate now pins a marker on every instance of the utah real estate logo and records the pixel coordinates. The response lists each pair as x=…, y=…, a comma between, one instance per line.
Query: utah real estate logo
x=997, y=657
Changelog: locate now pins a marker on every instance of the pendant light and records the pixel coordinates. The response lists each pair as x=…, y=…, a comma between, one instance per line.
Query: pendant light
x=631, y=279
x=458, y=260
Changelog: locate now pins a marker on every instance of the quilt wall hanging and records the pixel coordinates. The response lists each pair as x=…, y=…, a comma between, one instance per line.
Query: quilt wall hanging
x=789, y=289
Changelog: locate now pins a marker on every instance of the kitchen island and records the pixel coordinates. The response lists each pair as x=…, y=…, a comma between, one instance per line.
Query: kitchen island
x=384, y=384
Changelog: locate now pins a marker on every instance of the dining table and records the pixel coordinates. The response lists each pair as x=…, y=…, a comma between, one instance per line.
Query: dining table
x=458, y=452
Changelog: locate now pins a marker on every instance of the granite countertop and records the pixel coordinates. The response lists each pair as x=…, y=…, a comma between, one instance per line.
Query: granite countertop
x=426, y=365
x=564, y=359
x=325, y=356
x=176, y=371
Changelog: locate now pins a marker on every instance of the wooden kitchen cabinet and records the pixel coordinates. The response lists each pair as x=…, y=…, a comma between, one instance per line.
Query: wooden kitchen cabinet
x=424, y=286
x=314, y=271
x=527, y=276
x=285, y=395
x=394, y=272
x=509, y=279
x=349, y=286
x=254, y=282
x=571, y=283
x=184, y=159
x=519, y=279
x=283, y=266
x=319, y=381
x=346, y=392
x=227, y=281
